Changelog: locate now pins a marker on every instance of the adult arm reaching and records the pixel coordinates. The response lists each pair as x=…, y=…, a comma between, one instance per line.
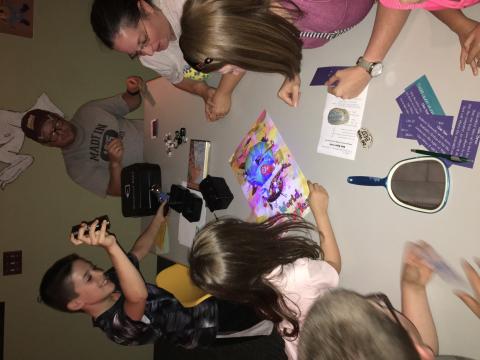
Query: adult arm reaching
x=473, y=302
x=468, y=32
x=349, y=83
x=416, y=274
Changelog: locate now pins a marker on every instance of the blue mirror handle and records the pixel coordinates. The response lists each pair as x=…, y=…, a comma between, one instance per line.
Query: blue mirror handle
x=367, y=180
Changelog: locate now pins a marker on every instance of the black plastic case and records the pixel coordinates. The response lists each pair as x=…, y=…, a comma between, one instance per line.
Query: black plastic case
x=136, y=182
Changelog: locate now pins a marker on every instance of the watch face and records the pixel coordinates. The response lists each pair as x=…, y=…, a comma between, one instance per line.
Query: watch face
x=376, y=69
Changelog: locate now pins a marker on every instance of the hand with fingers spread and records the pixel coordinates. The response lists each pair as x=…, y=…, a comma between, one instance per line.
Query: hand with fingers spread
x=470, y=52
x=348, y=83
x=87, y=235
x=115, y=151
x=473, y=302
x=290, y=91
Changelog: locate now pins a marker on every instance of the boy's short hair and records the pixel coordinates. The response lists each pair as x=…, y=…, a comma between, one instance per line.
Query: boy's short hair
x=56, y=288
x=345, y=325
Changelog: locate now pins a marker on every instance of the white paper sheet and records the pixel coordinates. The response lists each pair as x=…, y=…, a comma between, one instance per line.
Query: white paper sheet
x=187, y=229
x=341, y=140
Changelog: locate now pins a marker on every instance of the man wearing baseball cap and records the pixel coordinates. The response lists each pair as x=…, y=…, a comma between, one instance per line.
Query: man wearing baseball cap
x=98, y=142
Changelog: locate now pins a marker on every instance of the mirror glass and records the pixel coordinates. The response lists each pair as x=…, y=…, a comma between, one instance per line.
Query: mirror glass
x=420, y=183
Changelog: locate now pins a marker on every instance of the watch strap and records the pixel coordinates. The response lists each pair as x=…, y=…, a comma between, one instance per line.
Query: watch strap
x=367, y=65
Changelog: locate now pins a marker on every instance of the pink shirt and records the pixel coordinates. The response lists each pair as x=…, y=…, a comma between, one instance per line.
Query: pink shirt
x=430, y=4
x=301, y=283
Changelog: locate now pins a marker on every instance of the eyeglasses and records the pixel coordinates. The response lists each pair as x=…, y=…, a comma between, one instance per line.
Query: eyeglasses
x=199, y=65
x=53, y=133
x=142, y=44
x=383, y=301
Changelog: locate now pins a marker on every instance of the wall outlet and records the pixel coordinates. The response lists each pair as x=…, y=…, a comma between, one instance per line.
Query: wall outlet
x=12, y=262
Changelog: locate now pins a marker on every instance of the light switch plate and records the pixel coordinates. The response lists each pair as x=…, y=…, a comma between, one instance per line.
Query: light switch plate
x=12, y=262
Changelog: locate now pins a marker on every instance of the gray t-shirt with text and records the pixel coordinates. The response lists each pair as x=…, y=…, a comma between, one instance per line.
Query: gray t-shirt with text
x=97, y=123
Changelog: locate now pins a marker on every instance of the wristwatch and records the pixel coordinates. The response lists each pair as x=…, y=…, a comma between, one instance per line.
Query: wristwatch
x=373, y=68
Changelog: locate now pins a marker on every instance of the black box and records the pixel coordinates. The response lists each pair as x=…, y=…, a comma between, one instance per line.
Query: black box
x=185, y=202
x=193, y=207
x=216, y=193
x=178, y=195
x=136, y=181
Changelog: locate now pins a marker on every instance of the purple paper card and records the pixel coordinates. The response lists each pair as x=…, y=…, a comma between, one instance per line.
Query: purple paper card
x=429, y=98
x=406, y=125
x=412, y=102
x=466, y=134
x=433, y=138
x=324, y=73
x=404, y=104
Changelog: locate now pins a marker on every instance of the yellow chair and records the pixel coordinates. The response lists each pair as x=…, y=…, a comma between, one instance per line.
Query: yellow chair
x=175, y=279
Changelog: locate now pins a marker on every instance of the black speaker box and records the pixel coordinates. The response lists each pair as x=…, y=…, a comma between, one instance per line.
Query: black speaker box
x=193, y=207
x=216, y=193
x=178, y=195
x=136, y=181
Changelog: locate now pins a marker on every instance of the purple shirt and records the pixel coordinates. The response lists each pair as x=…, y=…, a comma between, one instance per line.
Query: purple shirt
x=329, y=16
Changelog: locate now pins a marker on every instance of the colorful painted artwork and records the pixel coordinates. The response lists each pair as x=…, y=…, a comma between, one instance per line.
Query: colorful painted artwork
x=16, y=17
x=269, y=176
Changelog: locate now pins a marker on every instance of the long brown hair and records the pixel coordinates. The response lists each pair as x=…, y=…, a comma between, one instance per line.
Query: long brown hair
x=230, y=259
x=245, y=33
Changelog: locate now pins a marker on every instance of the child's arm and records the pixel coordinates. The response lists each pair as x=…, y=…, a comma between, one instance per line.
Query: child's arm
x=201, y=89
x=289, y=92
x=222, y=99
x=468, y=32
x=145, y=242
x=415, y=277
x=131, y=282
x=319, y=204
x=387, y=26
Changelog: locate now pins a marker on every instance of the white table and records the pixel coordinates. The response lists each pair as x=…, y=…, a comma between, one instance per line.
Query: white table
x=371, y=230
